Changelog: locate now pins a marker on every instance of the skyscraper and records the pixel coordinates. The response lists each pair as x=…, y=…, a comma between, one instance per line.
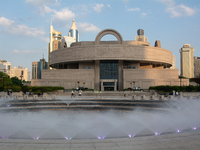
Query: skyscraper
x=37, y=68
x=73, y=32
x=187, y=61
x=57, y=41
x=196, y=67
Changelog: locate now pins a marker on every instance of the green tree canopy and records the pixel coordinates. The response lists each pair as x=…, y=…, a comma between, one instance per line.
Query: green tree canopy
x=7, y=80
x=16, y=81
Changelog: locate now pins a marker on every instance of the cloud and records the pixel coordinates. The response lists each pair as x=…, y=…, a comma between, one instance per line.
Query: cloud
x=177, y=10
x=23, y=52
x=98, y=7
x=44, y=9
x=133, y=9
x=13, y=28
x=126, y=1
x=85, y=27
x=143, y=14
x=43, y=2
x=15, y=51
x=108, y=5
x=63, y=15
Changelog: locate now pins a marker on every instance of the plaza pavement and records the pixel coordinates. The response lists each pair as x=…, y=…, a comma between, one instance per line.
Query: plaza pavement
x=179, y=141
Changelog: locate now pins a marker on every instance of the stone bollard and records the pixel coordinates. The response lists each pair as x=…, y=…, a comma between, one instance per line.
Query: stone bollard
x=181, y=94
x=6, y=97
x=170, y=97
x=54, y=97
x=152, y=97
x=44, y=97
x=142, y=97
x=134, y=97
x=15, y=97
x=25, y=97
x=35, y=97
x=161, y=97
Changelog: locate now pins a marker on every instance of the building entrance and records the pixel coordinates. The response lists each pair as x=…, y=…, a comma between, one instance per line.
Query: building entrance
x=108, y=85
x=108, y=75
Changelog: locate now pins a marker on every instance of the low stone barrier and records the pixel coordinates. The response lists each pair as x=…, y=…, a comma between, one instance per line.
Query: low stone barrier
x=170, y=97
x=152, y=97
x=161, y=97
x=44, y=97
x=35, y=97
x=15, y=97
x=25, y=97
x=134, y=97
x=142, y=97
x=54, y=97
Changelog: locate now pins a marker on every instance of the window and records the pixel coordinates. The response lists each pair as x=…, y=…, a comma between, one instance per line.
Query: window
x=87, y=67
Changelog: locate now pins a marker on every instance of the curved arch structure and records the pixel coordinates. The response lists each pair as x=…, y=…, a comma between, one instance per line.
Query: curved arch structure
x=109, y=31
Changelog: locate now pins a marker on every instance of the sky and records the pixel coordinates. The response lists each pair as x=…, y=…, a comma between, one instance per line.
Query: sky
x=24, y=24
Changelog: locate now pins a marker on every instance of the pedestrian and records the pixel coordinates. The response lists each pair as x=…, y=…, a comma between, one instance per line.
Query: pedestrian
x=72, y=93
x=79, y=93
x=176, y=93
x=10, y=91
x=173, y=93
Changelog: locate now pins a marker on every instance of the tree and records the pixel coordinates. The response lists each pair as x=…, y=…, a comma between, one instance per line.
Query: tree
x=7, y=81
x=16, y=81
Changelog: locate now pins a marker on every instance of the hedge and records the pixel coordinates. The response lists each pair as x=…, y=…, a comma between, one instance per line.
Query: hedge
x=169, y=89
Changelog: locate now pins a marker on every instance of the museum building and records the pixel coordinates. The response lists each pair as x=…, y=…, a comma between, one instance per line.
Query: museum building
x=110, y=65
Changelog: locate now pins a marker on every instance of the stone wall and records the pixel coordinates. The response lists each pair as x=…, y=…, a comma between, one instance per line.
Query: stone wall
x=144, y=78
x=67, y=78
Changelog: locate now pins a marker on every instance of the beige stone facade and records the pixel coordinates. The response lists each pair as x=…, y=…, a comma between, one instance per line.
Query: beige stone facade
x=17, y=72
x=187, y=61
x=90, y=64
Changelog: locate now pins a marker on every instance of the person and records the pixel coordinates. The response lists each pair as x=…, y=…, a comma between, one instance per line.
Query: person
x=79, y=93
x=173, y=93
x=72, y=94
x=176, y=93
x=10, y=91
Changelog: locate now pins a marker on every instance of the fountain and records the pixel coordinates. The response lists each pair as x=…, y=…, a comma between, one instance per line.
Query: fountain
x=78, y=124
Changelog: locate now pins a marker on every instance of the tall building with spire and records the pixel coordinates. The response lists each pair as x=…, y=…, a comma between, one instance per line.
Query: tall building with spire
x=57, y=41
x=73, y=32
x=73, y=35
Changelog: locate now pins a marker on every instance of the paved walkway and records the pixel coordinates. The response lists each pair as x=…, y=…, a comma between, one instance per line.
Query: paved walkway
x=179, y=141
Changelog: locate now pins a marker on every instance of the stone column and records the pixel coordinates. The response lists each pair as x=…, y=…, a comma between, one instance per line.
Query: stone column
x=120, y=75
x=102, y=89
x=96, y=75
x=115, y=86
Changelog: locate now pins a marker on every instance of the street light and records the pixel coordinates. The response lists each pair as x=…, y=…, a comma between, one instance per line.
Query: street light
x=3, y=81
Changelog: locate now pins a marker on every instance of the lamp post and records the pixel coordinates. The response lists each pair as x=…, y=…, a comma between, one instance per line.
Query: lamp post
x=84, y=84
x=180, y=79
x=3, y=82
x=78, y=83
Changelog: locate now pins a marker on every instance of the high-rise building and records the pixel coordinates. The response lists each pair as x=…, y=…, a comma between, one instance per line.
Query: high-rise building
x=20, y=72
x=5, y=66
x=37, y=68
x=196, y=67
x=57, y=41
x=187, y=61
